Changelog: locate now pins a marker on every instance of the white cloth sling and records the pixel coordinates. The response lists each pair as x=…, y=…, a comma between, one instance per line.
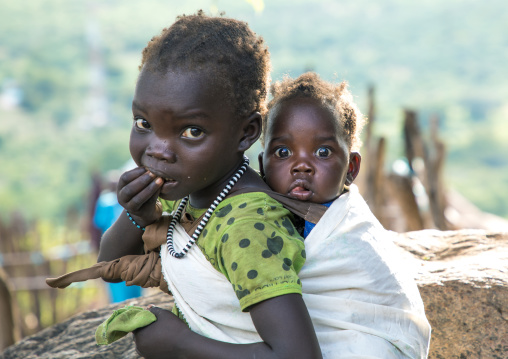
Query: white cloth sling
x=361, y=303
x=204, y=295
x=353, y=280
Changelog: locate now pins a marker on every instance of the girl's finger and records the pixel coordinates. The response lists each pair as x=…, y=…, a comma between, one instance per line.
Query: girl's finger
x=147, y=194
x=130, y=176
x=135, y=186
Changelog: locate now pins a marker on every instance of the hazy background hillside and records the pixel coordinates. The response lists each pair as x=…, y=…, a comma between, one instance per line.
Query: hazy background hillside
x=68, y=69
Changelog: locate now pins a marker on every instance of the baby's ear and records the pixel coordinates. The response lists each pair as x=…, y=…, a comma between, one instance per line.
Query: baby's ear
x=251, y=131
x=261, y=168
x=354, y=167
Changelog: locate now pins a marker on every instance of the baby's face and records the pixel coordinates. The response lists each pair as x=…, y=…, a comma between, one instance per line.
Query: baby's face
x=305, y=154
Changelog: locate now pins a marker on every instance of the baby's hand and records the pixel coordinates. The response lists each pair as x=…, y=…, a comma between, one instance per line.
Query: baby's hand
x=137, y=192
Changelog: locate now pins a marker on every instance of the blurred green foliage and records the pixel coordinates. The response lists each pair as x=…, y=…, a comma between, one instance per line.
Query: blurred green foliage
x=75, y=63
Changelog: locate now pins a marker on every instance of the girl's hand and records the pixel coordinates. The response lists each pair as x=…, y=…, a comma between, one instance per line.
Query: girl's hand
x=283, y=323
x=137, y=192
x=159, y=339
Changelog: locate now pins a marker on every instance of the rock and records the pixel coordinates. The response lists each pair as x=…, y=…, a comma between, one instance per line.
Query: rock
x=462, y=276
x=463, y=280
x=75, y=338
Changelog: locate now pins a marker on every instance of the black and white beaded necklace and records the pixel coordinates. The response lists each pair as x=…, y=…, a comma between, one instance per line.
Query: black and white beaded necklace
x=208, y=214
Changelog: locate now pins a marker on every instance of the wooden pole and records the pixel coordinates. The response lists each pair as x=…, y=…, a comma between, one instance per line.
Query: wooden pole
x=9, y=329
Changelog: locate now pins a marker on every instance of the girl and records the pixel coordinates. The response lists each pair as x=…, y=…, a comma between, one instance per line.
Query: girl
x=196, y=111
x=362, y=303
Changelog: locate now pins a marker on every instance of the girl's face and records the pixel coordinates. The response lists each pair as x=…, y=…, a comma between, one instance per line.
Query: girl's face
x=306, y=155
x=185, y=132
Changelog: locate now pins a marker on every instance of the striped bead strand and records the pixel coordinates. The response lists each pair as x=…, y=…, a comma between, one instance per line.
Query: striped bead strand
x=208, y=214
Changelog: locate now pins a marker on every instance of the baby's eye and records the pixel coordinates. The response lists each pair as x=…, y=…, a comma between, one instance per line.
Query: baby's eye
x=192, y=132
x=323, y=152
x=283, y=152
x=141, y=123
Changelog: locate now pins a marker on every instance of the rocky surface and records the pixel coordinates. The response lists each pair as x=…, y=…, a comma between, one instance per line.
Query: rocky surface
x=462, y=276
x=463, y=280
x=75, y=338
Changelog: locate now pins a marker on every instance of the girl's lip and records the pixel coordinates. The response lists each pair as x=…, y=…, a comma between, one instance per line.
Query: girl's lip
x=169, y=183
x=161, y=175
x=168, y=186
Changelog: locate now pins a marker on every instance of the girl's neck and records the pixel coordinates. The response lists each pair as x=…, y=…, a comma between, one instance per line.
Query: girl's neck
x=203, y=199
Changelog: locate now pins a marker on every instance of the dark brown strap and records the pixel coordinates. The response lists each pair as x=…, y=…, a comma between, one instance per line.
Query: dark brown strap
x=189, y=223
x=311, y=212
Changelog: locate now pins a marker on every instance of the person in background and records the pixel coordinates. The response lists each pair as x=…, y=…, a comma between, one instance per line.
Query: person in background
x=107, y=211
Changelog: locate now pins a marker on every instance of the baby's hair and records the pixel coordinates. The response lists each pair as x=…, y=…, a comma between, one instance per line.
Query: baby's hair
x=237, y=59
x=335, y=97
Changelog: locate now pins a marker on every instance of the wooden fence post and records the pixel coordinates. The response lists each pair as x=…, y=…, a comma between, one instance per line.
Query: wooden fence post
x=9, y=329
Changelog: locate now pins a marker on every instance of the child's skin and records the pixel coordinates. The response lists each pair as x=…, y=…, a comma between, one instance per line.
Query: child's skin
x=306, y=154
x=187, y=140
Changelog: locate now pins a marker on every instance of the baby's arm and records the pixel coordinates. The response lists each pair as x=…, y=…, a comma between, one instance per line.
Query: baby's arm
x=282, y=322
x=138, y=191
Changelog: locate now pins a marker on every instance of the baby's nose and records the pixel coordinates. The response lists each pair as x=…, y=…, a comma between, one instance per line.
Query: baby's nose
x=302, y=166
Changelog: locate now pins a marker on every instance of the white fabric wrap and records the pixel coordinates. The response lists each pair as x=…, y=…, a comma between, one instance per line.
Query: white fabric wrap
x=204, y=295
x=353, y=280
x=359, y=299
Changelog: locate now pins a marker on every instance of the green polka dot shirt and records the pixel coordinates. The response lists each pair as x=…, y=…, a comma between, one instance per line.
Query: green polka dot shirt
x=251, y=240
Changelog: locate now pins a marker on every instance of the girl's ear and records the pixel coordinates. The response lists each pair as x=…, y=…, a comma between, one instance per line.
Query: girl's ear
x=353, y=167
x=261, y=168
x=251, y=131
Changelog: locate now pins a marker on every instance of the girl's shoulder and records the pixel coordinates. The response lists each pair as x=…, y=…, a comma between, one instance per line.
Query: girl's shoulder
x=252, y=201
x=254, y=207
x=253, y=215
x=246, y=201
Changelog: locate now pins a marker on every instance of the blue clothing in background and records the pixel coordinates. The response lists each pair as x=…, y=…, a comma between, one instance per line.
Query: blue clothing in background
x=107, y=210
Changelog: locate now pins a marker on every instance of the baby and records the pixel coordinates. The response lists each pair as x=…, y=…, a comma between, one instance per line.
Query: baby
x=361, y=302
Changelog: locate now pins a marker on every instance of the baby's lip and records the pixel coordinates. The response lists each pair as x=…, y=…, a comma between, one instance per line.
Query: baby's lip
x=300, y=190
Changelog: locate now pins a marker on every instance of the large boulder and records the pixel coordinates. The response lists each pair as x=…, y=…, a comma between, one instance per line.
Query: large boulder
x=462, y=276
x=463, y=280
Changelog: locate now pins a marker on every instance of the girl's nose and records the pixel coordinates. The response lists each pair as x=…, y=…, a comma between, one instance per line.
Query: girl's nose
x=160, y=150
x=302, y=166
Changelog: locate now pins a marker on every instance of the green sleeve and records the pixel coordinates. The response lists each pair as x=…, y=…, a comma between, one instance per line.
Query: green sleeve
x=167, y=206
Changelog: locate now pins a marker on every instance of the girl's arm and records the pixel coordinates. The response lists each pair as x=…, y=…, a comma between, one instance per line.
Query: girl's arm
x=137, y=193
x=282, y=322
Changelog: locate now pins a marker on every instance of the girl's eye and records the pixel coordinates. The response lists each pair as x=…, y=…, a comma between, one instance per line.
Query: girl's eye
x=283, y=152
x=141, y=123
x=323, y=152
x=192, y=132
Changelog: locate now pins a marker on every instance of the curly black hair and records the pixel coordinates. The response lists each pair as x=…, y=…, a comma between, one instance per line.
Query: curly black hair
x=226, y=48
x=336, y=97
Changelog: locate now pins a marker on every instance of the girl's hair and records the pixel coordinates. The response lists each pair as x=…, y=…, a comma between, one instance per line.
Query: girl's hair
x=336, y=97
x=227, y=49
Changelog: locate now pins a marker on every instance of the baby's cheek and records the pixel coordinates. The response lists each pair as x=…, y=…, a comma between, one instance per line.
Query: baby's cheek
x=276, y=183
